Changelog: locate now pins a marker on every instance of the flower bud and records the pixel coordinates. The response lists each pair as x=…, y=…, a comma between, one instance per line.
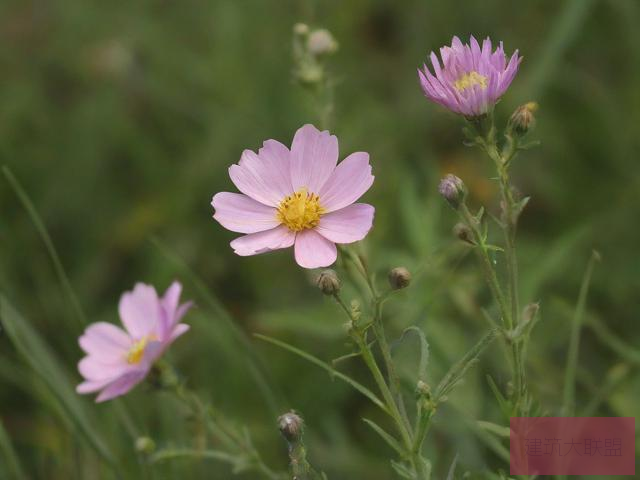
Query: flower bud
x=321, y=42
x=301, y=29
x=145, y=445
x=453, y=190
x=522, y=120
x=328, y=282
x=291, y=426
x=530, y=312
x=464, y=233
x=399, y=278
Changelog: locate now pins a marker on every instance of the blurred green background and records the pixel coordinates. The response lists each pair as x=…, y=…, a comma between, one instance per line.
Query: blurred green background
x=120, y=120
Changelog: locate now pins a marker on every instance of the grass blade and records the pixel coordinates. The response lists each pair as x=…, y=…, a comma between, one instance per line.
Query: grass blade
x=10, y=465
x=316, y=361
x=424, y=351
x=568, y=397
x=36, y=353
x=48, y=243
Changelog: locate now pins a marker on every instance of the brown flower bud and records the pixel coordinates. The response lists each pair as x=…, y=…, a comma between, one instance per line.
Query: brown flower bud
x=399, y=278
x=464, y=233
x=522, y=120
x=328, y=282
x=291, y=426
x=452, y=190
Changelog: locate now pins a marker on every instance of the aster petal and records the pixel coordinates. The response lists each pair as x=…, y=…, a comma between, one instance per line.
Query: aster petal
x=349, y=181
x=312, y=250
x=172, y=311
x=314, y=155
x=239, y=213
x=140, y=311
x=92, y=369
x=121, y=385
x=178, y=331
x=276, y=238
x=104, y=341
x=265, y=176
x=347, y=225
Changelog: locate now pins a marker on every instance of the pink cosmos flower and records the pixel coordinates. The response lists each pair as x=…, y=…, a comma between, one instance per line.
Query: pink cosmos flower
x=471, y=80
x=300, y=197
x=117, y=360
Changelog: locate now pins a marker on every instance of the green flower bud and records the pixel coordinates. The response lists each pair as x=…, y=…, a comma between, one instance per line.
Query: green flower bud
x=145, y=445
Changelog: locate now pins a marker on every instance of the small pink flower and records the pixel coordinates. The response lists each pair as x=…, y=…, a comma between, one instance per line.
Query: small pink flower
x=301, y=197
x=117, y=360
x=470, y=80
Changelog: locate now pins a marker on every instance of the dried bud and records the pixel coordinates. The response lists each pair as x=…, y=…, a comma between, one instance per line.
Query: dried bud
x=399, y=278
x=321, y=42
x=145, y=445
x=530, y=312
x=301, y=29
x=328, y=282
x=464, y=233
x=523, y=120
x=453, y=190
x=291, y=426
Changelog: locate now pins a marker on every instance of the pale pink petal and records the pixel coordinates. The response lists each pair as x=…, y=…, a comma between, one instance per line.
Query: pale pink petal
x=347, y=225
x=140, y=311
x=121, y=385
x=314, y=155
x=265, y=177
x=91, y=386
x=279, y=237
x=104, y=341
x=349, y=181
x=239, y=213
x=312, y=250
x=92, y=369
x=178, y=331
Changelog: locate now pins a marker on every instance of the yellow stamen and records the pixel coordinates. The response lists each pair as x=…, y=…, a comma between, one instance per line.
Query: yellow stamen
x=136, y=352
x=300, y=211
x=470, y=79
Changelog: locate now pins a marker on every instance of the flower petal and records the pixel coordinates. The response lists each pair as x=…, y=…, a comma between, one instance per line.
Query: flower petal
x=349, y=181
x=312, y=250
x=93, y=369
x=121, y=385
x=279, y=237
x=140, y=311
x=347, y=225
x=178, y=331
x=91, y=386
x=104, y=341
x=314, y=155
x=239, y=213
x=265, y=177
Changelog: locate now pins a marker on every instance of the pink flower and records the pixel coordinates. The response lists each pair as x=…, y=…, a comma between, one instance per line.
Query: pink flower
x=471, y=80
x=117, y=360
x=299, y=197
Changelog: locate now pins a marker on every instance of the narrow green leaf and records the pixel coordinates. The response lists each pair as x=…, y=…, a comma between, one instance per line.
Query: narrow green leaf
x=10, y=466
x=36, y=353
x=505, y=408
x=403, y=471
x=424, y=351
x=451, y=475
x=494, y=428
x=316, y=361
x=458, y=370
x=173, y=453
x=392, y=442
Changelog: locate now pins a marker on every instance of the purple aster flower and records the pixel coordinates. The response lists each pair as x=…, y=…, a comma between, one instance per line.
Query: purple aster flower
x=117, y=360
x=300, y=197
x=470, y=80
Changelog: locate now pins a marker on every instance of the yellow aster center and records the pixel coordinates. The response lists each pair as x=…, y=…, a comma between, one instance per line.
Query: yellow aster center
x=300, y=211
x=470, y=79
x=136, y=351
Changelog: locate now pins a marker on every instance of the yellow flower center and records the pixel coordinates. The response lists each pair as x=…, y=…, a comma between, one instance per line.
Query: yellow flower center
x=136, y=352
x=300, y=211
x=470, y=79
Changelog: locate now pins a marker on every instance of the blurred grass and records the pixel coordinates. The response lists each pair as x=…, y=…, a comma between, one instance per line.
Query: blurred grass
x=120, y=120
